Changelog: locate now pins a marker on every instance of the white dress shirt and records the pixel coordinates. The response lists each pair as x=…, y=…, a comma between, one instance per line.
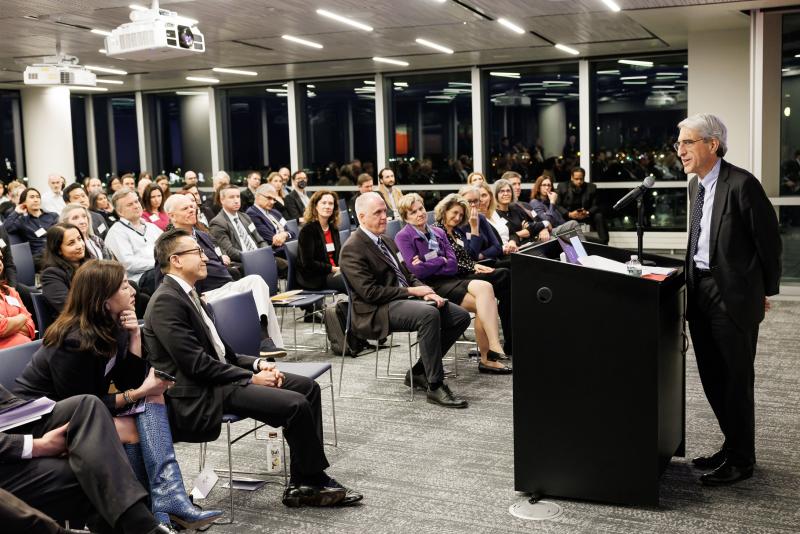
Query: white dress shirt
x=219, y=346
x=701, y=257
x=52, y=202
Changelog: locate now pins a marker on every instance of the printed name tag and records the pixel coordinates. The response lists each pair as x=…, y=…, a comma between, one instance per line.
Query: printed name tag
x=2, y=243
x=101, y=228
x=399, y=257
x=154, y=217
x=12, y=301
x=388, y=217
x=112, y=218
x=330, y=247
x=459, y=243
x=251, y=228
x=469, y=236
x=430, y=255
x=218, y=251
x=40, y=232
x=282, y=221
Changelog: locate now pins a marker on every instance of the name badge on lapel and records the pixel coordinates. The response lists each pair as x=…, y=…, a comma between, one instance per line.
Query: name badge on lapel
x=431, y=255
x=218, y=251
x=330, y=247
x=40, y=232
x=251, y=227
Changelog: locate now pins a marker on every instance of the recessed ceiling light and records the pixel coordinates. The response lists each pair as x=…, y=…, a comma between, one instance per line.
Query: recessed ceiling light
x=390, y=61
x=235, y=71
x=100, y=32
x=505, y=74
x=202, y=79
x=87, y=88
x=112, y=82
x=638, y=63
x=567, y=49
x=430, y=44
x=190, y=93
x=511, y=26
x=102, y=50
x=344, y=20
x=612, y=5
x=106, y=70
x=298, y=40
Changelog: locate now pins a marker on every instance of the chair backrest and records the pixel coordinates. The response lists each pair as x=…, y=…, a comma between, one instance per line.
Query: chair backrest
x=342, y=204
x=393, y=226
x=293, y=227
x=431, y=217
x=14, y=239
x=13, y=361
x=344, y=220
x=42, y=312
x=262, y=262
x=236, y=319
x=344, y=235
x=291, y=260
x=23, y=259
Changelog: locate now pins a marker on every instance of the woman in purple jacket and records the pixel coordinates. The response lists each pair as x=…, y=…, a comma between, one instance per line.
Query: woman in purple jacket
x=429, y=256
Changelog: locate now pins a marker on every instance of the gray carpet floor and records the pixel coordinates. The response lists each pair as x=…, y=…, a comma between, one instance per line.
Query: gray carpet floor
x=426, y=469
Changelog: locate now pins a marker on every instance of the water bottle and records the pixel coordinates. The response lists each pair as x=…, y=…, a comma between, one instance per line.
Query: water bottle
x=274, y=459
x=634, y=267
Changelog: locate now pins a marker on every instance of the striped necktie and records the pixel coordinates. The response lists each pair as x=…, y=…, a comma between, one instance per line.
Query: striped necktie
x=694, y=229
x=401, y=279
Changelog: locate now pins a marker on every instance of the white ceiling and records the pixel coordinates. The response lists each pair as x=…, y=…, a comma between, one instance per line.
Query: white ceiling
x=246, y=33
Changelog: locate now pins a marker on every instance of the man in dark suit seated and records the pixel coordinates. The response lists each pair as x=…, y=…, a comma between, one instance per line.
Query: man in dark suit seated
x=212, y=379
x=386, y=297
x=269, y=222
x=365, y=185
x=297, y=200
x=249, y=193
x=578, y=202
x=235, y=232
x=70, y=465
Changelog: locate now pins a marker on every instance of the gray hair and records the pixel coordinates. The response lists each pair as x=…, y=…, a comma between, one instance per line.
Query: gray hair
x=220, y=177
x=170, y=205
x=363, y=199
x=263, y=189
x=121, y=193
x=69, y=208
x=708, y=127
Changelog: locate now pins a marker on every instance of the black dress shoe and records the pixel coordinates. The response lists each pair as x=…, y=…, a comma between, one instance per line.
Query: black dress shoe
x=444, y=397
x=296, y=495
x=493, y=356
x=494, y=370
x=268, y=349
x=709, y=462
x=350, y=497
x=726, y=474
x=163, y=529
x=420, y=380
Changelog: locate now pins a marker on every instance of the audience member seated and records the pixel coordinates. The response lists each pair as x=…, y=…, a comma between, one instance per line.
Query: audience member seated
x=285, y=175
x=129, y=182
x=69, y=464
x=248, y=194
x=100, y=205
x=476, y=178
x=544, y=202
x=190, y=178
x=276, y=181
x=52, y=199
x=391, y=193
x=114, y=185
x=483, y=242
x=220, y=281
x=14, y=189
x=269, y=222
x=65, y=253
x=202, y=217
x=365, y=185
x=319, y=245
x=234, y=231
x=579, y=203
x=30, y=223
x=132, y=239
x=163, y=182
x=450, y=213
x=297, y=200
x=515, y=180
x=183, y=341
x=387, y=297
x=153, y=206
x=428, y=255
x=523, y=226
x=93, y=185
x=95, y=246
x=75, y=194
x=212, y=205
x=16, y=323
x=94, y=342
x=9, y=269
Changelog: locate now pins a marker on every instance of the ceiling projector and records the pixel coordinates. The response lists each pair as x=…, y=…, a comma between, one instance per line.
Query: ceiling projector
x=155, y=34
x=59, y=70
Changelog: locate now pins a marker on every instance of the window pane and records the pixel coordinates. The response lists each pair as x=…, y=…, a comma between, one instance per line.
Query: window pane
x=80, y=149
x=8, y=164
x=790, y=108
x=664, y=210
x=339, y=134
x=533, y=121
x=637, y=109
x=117, y=135
x=431, y=119
x=256, y=130
x=790, y=234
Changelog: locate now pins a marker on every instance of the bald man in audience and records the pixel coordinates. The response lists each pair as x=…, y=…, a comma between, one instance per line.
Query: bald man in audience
x=190, y=178
x=285, y=175
x=52, y=200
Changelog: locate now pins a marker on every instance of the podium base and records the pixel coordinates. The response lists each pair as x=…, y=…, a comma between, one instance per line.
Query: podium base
x=538, y=511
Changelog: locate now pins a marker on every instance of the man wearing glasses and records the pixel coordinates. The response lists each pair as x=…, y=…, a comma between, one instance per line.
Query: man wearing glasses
x=733, y=261
x=271, y=225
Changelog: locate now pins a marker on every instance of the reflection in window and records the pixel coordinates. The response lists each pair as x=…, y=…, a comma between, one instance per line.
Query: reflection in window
x=790, y=110
x=9, y=108
x=256, y=129
x=664, y=210
x=637, y=109
x=431, y=119
x=339, y=134
x=80, y=148
x=790, y=235
x=116, y=134
x=533, y=121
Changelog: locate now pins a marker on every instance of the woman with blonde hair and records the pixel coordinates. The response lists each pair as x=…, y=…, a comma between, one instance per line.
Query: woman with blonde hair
x=476, y=178
x=276, y=181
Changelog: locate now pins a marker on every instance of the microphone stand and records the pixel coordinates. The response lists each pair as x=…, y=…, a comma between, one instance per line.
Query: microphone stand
x=640, y=231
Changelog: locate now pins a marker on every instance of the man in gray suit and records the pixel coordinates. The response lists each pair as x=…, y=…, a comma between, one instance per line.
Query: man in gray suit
x=386, y=297
x=233, y=230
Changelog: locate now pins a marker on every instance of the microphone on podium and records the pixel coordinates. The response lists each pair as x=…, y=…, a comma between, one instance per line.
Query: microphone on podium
x=635, y=193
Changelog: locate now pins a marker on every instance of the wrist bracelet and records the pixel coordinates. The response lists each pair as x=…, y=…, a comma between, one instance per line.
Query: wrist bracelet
x=126, y=396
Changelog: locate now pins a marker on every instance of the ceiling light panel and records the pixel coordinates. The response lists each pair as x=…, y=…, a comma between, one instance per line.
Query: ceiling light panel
x=304, y=42
x=511, y=26
x=435, y=46
x=240, y=72
x=344, y=20
x=391, y=61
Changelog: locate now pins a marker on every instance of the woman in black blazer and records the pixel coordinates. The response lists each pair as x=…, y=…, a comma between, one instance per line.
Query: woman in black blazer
x=64, y=253
x=319, y=245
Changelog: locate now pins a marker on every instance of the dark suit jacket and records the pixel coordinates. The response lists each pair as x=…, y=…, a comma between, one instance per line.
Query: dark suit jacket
x=179, y=343
x=99, y=225
x=570, y=199
x=225, y=235
x=248, y=198
x=744, y=244
x=294, y=206
x=55, y=287
x=10, y=444
x=265, y=228
x=9, y=269
x=373, y=283
x=312, y=258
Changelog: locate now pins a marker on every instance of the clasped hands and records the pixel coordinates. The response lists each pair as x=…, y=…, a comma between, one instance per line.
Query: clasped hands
x=268, y=375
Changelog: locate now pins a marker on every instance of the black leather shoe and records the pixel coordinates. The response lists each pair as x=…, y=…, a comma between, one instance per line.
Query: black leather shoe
x=268, y=349
x=709, y=462
x=350, y=497
x=493, y=356
x=505, y=370
x=296, y=495
x=444, y=397
x=163, y=529
x=726, y=474
x=420, y=380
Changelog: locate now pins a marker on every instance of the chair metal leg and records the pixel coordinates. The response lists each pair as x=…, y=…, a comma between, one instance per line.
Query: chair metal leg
x=230, y=470
x=333, y=410
x=285, y=467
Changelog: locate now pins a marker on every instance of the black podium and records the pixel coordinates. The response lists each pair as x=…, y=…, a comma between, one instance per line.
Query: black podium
x=599, y=393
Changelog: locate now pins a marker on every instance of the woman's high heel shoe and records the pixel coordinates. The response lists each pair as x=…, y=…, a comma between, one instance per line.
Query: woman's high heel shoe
x=167, y=492
x=494, y=370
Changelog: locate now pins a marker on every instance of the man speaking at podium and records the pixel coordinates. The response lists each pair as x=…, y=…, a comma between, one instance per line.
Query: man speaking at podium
x=733, y=262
